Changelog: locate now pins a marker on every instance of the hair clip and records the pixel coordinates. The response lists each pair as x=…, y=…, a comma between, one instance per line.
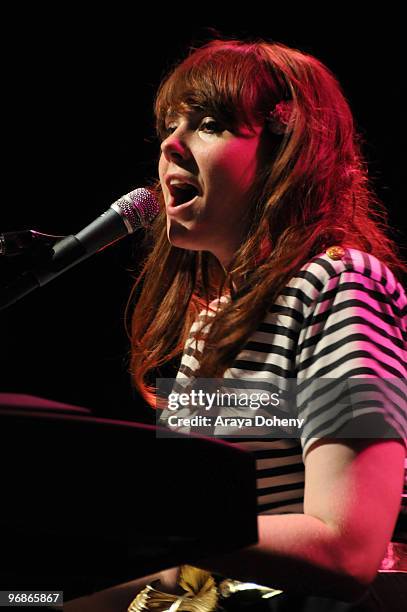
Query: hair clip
x=280, y=118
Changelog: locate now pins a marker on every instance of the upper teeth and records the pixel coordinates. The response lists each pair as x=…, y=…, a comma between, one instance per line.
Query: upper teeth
x=180, y=184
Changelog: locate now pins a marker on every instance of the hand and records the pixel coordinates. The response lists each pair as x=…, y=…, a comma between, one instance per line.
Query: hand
x=169, y=581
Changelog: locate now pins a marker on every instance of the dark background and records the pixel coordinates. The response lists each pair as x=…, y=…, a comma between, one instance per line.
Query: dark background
x=77, y=132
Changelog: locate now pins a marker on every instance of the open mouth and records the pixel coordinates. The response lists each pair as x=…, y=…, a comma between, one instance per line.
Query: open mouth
x=182, y=194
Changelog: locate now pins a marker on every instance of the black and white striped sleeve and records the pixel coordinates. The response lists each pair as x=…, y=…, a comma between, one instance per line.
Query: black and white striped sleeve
x=351, y=358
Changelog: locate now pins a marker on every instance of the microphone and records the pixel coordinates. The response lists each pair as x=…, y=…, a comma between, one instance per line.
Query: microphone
x=132, y=211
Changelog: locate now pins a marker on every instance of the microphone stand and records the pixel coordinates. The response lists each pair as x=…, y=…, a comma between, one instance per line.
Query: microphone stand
x=35, y=250
x=28, y=242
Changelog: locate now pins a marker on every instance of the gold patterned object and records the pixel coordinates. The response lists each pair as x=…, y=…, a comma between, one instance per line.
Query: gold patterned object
x=335, y=252
x=200, y=595
x=229, y=587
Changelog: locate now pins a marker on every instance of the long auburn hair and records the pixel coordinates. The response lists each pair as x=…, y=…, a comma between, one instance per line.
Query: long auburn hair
x=313, y=193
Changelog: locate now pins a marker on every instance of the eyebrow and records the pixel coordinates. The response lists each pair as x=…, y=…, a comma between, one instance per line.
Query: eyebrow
x=188, y=113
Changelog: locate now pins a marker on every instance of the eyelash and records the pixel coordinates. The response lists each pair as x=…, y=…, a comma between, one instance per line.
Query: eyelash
x=214, y=122
x=204, y=124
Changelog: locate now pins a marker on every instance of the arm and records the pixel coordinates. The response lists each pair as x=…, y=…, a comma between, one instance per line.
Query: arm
x=352, y=497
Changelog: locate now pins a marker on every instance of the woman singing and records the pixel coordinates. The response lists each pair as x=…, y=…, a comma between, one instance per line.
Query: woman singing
x=271, y=262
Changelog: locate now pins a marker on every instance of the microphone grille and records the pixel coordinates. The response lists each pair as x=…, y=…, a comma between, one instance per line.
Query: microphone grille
x=138, y=208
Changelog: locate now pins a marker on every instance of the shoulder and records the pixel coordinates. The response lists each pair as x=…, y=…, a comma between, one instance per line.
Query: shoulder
x=340, y=268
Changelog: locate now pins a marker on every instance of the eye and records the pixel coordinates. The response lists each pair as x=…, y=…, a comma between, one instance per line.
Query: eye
x=211, y=126
x=167, y=130
x=208, y=125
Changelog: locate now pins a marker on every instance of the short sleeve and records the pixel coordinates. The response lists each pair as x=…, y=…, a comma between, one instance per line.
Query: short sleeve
x=351, y=360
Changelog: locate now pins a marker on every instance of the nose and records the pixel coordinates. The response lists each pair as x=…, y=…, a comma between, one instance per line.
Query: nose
x=174, y=148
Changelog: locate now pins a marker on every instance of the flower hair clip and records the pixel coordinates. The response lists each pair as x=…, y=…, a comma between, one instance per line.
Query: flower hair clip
x=280, y=118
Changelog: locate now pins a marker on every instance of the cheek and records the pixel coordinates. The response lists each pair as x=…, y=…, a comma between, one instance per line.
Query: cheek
x=162, y=165
x=235, y=166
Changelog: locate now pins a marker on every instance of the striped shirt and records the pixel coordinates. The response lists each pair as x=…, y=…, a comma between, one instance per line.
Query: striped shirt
x=334, y=321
